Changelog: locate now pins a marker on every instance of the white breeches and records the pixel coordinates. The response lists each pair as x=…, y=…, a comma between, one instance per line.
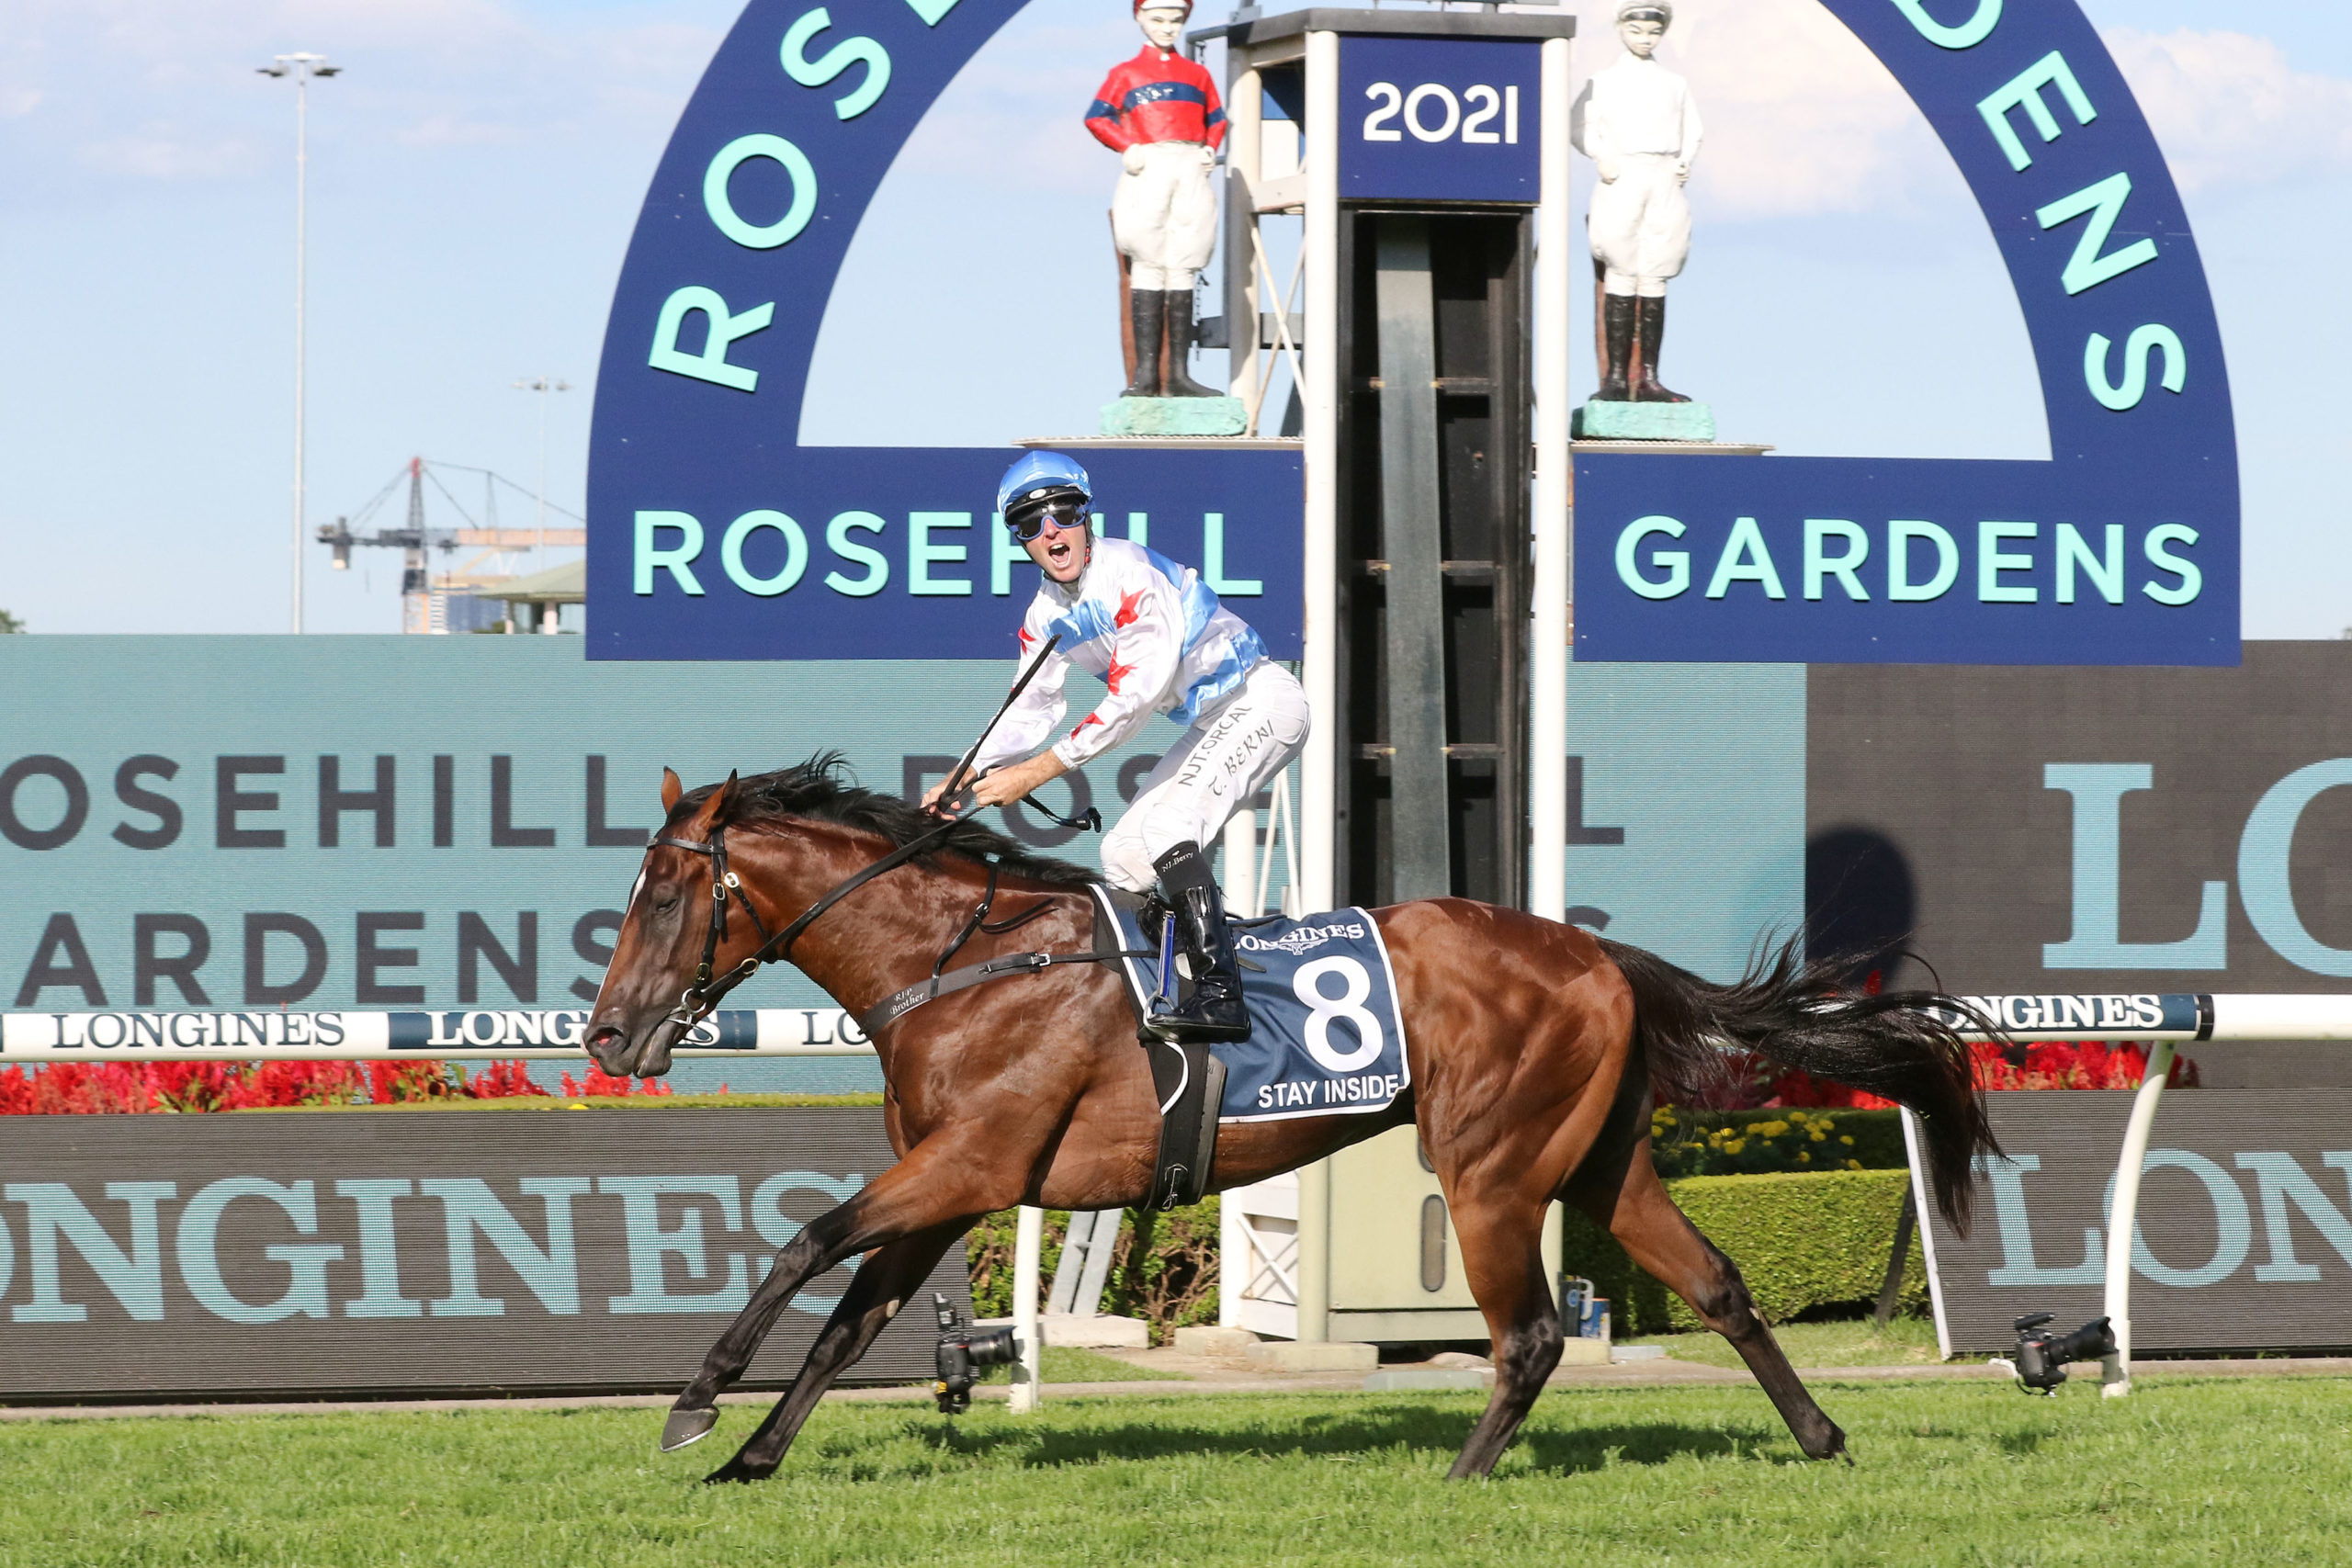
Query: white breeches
x=1641, y=225
x=1229, y=755
x=1164, y=220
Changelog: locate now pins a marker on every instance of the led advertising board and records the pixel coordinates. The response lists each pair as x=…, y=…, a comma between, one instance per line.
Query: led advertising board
x=323, y=1251
x=2243, y=1239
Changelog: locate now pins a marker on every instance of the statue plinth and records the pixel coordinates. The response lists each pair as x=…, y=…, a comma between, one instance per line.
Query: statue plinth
x=1177, y=416
x=1598, y=421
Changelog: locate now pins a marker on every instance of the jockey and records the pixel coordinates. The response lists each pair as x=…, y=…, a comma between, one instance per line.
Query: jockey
x=1161, y=643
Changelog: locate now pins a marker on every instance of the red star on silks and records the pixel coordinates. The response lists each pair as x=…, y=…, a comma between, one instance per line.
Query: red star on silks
x=1117, y=672
x=1024, y=638
x=1083, y=723
x=1127, y=611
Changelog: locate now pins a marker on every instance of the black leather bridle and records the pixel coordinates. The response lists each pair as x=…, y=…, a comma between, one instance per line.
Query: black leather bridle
x=699, y=1000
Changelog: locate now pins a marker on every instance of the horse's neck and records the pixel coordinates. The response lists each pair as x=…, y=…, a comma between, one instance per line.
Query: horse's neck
x=880, y=937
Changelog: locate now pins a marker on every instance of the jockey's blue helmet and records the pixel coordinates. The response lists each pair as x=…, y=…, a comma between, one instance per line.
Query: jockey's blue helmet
x=1038, y=480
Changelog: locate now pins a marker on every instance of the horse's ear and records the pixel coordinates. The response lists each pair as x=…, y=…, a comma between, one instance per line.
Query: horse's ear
x=671, y=790
x=724, y=799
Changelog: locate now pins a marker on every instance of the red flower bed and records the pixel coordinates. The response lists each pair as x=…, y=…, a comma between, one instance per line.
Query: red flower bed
x=2034, y=1064
x=70, y=1089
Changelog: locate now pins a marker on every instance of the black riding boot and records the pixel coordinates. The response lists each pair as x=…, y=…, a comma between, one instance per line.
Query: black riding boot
x=1145, y=312
x=1180, y=348
x=1617, y=339
x=1646, y=389
x=1214, y=1012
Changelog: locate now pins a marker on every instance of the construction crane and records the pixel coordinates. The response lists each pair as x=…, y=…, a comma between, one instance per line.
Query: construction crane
x=425, y=594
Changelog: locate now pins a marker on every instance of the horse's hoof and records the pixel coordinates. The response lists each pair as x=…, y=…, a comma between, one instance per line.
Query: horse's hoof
x=685, y=1426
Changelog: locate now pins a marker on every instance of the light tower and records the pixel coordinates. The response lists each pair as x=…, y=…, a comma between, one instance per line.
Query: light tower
x=301, y=68
x=543, y=385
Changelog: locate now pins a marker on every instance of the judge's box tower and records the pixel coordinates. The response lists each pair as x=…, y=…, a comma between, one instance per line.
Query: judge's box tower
x=1427, y=153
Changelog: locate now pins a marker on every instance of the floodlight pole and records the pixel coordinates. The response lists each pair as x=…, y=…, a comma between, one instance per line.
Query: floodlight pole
x=542, y=385
x=301, y=67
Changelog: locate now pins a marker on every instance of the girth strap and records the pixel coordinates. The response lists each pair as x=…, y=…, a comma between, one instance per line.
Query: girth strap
x=900, y=1003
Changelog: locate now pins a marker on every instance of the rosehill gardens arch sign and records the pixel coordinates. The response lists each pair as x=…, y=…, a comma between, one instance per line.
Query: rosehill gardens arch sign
x=715, y=534
x=2123, y=548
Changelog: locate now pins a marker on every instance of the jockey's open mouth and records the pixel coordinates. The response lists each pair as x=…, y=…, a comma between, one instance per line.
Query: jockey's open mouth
x=1061, y=550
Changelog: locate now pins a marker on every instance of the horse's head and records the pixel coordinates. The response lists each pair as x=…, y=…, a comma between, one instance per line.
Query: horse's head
x=636, y=1021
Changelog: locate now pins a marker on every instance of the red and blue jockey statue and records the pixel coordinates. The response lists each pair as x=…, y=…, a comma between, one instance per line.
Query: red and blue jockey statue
x=1161, y=642
x=1158, y=112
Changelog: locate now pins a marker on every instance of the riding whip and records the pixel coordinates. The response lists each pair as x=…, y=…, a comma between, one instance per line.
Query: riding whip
x=955, y=779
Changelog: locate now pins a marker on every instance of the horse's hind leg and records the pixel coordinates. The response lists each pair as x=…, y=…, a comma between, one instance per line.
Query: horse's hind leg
x=1502, y=1257
x=1662, y=1240
x=879, y=1288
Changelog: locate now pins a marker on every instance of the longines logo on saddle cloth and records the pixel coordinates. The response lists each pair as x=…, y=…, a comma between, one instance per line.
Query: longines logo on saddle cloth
x=1299, y=938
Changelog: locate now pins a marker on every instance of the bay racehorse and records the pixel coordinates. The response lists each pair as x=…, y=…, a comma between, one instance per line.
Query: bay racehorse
x=1536, y=1051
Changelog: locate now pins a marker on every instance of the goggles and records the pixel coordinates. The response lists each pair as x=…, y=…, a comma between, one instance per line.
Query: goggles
x=1056, y=516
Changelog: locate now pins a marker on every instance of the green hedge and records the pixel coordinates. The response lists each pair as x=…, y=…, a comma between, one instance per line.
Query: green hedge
x=1801, y=1241
x=1168, y=1279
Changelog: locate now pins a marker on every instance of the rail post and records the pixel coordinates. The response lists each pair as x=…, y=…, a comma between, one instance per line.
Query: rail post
x=1028, y=1252
x=2124, y=1217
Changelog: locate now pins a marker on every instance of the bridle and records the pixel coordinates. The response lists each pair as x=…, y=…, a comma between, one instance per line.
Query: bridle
x=699, y=1000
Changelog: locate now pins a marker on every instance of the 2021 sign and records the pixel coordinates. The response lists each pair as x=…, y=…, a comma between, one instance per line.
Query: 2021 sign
x=1438, y=119
x=1476, y=126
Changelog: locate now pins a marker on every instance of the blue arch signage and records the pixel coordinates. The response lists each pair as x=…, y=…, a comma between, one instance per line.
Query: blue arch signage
x=718, y=535
x=2123, y=548
x=715, y=534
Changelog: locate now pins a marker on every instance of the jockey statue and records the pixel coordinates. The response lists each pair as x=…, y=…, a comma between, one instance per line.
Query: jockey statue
x=1161, y=643
x=1637, y=124
x=1158, y=112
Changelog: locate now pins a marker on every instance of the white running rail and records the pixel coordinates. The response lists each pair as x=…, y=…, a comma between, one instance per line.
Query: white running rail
x=2161, y=1021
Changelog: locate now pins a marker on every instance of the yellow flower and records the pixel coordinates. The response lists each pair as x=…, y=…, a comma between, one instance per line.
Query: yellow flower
x=1853, y=1165
x=1805, y=1156
x=1732, y=1146
x=1847, y=1139
x=1770, y=1129
x=1818, y=1136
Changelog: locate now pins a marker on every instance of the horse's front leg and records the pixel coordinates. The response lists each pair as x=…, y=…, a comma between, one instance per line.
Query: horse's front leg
x=884, y=1284
x=933, y=1187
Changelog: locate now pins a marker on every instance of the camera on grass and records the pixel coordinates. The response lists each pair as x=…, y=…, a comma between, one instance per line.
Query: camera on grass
x=2043, y=1356
x=963, y=1352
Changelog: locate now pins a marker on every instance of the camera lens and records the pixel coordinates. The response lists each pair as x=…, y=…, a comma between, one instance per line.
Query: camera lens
x=994, y=1348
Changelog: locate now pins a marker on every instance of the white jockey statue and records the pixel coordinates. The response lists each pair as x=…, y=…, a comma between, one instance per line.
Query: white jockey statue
x=1637, y=124
x=1161, y=643
x=1158, y=111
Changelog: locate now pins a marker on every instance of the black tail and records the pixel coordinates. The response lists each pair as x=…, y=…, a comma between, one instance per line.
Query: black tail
x=1901, y=1045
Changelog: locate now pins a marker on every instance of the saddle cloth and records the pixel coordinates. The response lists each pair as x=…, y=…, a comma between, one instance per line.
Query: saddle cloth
x=1327, y=1036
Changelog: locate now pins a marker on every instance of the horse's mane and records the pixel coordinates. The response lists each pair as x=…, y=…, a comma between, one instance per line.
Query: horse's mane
x=819, y=789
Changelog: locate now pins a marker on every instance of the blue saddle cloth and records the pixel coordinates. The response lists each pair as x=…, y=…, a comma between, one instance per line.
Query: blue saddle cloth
x=1327, y=1036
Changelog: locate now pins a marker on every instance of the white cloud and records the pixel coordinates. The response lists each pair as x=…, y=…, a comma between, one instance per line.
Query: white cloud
x=1015, y=116
x=2229, y=106
x=1800, y=118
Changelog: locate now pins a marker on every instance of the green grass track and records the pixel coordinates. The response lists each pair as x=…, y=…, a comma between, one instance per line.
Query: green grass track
x=2249, y=1471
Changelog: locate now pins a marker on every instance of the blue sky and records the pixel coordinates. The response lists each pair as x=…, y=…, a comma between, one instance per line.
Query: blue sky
x=475, y=173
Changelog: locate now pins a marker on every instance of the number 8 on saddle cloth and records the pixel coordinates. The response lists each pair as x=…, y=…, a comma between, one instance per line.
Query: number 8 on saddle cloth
x=1326, y=1034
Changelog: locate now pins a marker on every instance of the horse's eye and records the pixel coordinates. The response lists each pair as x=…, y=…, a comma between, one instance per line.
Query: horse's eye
x=664, y=905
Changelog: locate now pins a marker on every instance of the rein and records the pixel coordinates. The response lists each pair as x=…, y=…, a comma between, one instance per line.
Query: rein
x=699, y=1000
